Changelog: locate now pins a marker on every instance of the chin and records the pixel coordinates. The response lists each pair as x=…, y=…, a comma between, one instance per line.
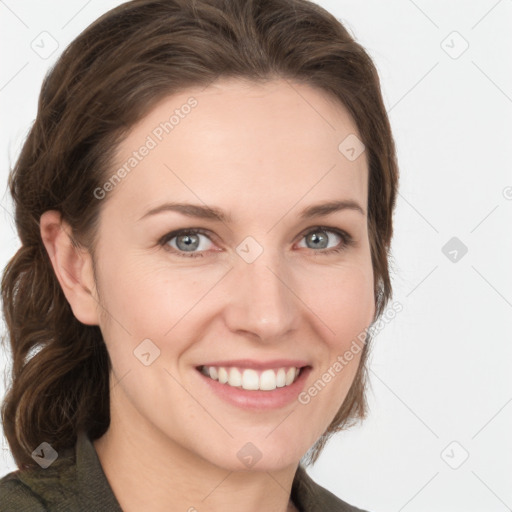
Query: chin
x=259, y=456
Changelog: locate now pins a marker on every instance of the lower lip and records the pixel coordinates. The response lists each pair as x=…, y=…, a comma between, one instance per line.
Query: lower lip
x=258, y=400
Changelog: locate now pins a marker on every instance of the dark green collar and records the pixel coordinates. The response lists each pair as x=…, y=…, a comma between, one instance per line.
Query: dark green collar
x=76, y=482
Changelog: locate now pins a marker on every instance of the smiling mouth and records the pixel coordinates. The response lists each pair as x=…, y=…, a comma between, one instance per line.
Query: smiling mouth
x=251, y=379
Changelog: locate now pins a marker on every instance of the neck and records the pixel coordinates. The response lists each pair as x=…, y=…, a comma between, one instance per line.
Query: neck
x=148, y=471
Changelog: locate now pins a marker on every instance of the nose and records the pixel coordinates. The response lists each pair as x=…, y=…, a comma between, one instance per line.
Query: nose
x=261, y=299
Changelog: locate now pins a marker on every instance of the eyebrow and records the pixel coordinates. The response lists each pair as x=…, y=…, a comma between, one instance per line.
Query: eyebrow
x=213, y=213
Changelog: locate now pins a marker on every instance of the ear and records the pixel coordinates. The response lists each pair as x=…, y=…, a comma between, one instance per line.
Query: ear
x=72, y=266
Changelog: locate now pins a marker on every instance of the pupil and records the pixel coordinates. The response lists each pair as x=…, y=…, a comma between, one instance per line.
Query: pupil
x=315, y=238
x=189, y=243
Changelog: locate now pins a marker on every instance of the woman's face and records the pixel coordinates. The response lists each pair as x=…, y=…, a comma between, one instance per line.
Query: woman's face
x=272, y=281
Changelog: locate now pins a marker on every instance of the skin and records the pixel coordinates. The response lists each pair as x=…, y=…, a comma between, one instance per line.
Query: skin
x=262, y=153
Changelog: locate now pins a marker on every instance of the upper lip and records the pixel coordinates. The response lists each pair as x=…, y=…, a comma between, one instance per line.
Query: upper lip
x=258, y=365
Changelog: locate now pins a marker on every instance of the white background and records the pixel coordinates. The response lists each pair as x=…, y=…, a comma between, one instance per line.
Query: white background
x=440, y=370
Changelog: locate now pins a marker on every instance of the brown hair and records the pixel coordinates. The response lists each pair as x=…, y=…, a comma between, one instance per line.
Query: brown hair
x=105, y=81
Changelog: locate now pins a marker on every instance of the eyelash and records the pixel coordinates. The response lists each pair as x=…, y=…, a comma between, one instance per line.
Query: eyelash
x=347, y=240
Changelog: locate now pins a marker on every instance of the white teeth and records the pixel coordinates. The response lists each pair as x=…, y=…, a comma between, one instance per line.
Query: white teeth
x=268, y=380
x=252, y=380
x=290, y=376
x=223, y=375
x=281, y=378
x=235, y=377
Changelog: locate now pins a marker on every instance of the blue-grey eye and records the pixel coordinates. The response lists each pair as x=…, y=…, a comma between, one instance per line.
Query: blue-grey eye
x=189, y=242
x=319, y=239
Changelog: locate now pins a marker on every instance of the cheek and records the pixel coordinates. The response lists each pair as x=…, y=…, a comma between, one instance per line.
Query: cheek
x=344, y=300
x=146, y=297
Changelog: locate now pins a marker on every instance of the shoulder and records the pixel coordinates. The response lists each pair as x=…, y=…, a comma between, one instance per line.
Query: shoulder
x=15, y=495
x=311, y=497
x=73, y=482
x=38, y=489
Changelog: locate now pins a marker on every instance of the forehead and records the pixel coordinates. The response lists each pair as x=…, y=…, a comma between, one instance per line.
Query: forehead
x=236, y=143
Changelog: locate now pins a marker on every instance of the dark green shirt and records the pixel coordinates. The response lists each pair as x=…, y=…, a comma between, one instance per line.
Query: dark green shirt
x=75, y=482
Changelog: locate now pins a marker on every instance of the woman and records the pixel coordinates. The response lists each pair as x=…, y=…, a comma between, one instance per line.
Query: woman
x=205, y=208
